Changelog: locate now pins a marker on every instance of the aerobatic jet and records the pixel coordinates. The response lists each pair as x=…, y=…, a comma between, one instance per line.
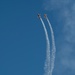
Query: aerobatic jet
x=45, y=15
x=39, y=16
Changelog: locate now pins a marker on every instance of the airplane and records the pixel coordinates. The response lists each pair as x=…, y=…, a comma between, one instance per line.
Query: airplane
x=39, y=16
x=45, y=15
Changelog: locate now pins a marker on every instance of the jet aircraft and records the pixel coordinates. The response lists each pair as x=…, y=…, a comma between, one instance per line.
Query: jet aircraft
x=39, y=16
x=45, y=15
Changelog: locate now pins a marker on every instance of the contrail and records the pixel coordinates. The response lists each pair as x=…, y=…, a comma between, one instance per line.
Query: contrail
x=53, y=45
x=47, y=62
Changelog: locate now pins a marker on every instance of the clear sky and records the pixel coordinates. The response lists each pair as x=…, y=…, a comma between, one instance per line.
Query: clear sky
x=22, y=38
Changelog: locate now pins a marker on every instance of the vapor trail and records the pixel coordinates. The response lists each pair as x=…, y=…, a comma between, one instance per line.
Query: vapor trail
x=53, y=46
x=47, y=62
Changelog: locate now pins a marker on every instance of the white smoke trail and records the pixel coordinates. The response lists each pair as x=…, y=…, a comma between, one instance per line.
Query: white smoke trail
x=47, y=62
x=53, y=46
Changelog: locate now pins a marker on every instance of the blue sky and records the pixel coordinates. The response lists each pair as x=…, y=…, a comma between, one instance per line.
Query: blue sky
x=22, y=38
x=64, y=13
